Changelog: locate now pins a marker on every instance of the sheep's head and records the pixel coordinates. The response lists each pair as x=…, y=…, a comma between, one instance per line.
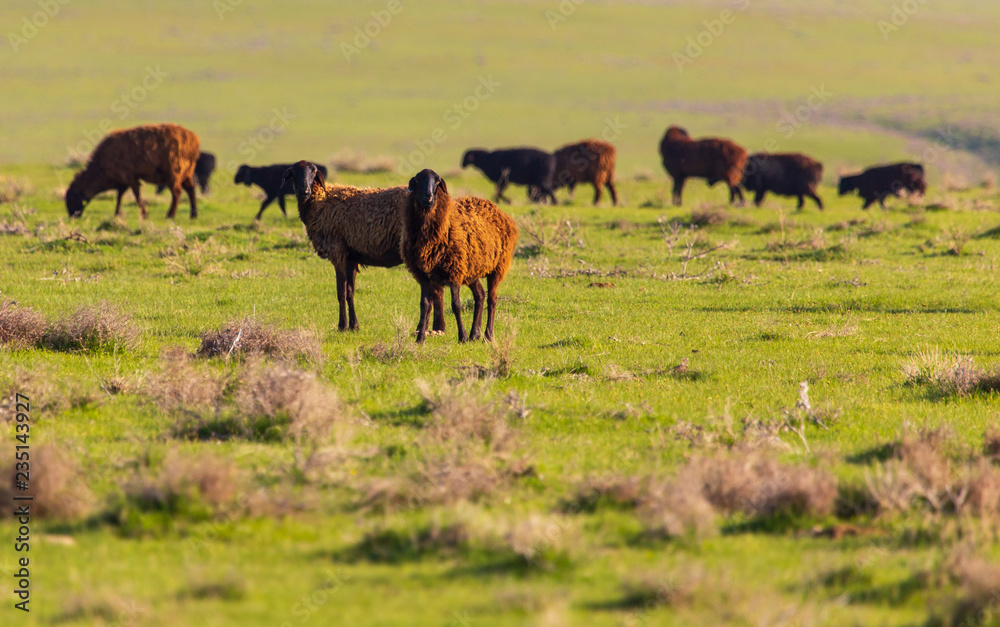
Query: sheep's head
x=470, y=156
x=75, y=200
x=424, y=189
x=846, y=185
x=302, y=175
x=677, y=133
x=242, y=175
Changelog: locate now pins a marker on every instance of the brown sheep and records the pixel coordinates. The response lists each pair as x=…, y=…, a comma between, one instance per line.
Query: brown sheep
x=711, y=159
x=351, y=227
x=162, y=154
x=589, y=161
x=455, y=242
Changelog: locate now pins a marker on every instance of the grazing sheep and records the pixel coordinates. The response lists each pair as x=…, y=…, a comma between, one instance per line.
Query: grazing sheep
x=270, y=179
x=455, y=242
x=711, y=159
x=520, y=166
x=351, y=227
x=162, y=154
x=590, y=161
x=788, y=174
x=879, y=182
x=203, y=169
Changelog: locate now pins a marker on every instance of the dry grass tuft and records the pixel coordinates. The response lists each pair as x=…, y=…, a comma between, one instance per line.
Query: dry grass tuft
x=20, y=327
x=202, y=485
x=182, y=385
x=648, y=592
x=249, y=336
x=56, y=482
x=677, y=508
x=535, y=542
x=708, y=217
x=502, y=360
x=349, y=161
x=12, y=189
x=760, y=486
x=392, y=545
x=607, y=492
x=402, y=345
x=229, y=587
x=977, y=601
x=101, y=327
x=949, y=375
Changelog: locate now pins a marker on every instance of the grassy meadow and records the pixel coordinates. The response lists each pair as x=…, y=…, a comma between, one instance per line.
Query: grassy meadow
x=692, y=415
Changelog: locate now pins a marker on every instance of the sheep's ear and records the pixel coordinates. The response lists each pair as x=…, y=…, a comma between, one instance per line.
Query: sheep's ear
x=442, y=186
x=412, y=186
x=287, y=177
x=319, y=178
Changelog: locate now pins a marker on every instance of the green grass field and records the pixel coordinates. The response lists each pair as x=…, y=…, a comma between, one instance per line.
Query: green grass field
x=649, y=357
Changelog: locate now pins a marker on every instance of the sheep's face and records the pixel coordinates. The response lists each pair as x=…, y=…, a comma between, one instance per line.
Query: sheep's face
x=242, y=175
x=302, y=175
x=74, y=202
x=423, y=189
x=469, y=158
x=844, y=187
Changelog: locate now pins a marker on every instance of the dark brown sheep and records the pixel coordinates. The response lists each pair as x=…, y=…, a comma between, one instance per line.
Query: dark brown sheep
x=351, y=227
x=162, y=154
x=455, y=242
x=886, y=180
x=711, y=159
x=785, y=174
x=589, y=161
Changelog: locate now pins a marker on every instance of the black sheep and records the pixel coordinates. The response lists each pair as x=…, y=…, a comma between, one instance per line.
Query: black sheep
x=788, y=174
x=203, y=169
x=520, y=166
x=886, y=180
x=269, y=179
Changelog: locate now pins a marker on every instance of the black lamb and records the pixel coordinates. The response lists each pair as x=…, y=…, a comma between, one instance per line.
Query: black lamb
x=203, y=169
x=520, y=166
x=269, y=179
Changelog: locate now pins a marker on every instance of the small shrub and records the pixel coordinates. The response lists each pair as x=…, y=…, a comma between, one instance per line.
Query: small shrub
x=181, y=385
x=229, y=587
x=12, y=189
x=949, y=375
x=56, y=481
x=195, y=486
x=394, y=546
x=708, y=217
x=20, y=327
x=101, y=327
x=402, y=346
x=248, y=336
x=282, y=393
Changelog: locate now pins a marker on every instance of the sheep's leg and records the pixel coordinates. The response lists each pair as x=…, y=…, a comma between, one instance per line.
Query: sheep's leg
x=758, y=197
x=614, y=193
x=438, y=307
x=801, y=204
x=281, y=204
x=138, y=200
x=189, y=188
x=426, y=295
x=118, y=203
x=342, y=299
x=456, y=308
x=352, y=274
x=571, y=186
x=815, y=197
x=501, y=186
x=492, y=281
x=734, y=193
x=175, y=194
x=678, y=190
x=597, y=192
x=478, y=296
x=263, y=206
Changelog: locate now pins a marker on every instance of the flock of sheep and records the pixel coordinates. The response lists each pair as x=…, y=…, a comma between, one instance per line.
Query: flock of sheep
x=446, y=241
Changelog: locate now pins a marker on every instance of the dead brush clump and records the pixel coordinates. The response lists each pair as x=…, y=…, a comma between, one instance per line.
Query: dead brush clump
x=181, y=385
x=677, y=508
x=57, y=484
x=502, y=358
x=977, y=600
x=48, y=392
x=347, y=160
x=249, y=336
x=946, y=375
x=20, y=327
x=93, y=328
x=400, y=348
x=649, y=591
x=13, y=188
x=762, y=487
x=196, y=485
x=394, y=545
x=608, y=492
x=708, y=217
